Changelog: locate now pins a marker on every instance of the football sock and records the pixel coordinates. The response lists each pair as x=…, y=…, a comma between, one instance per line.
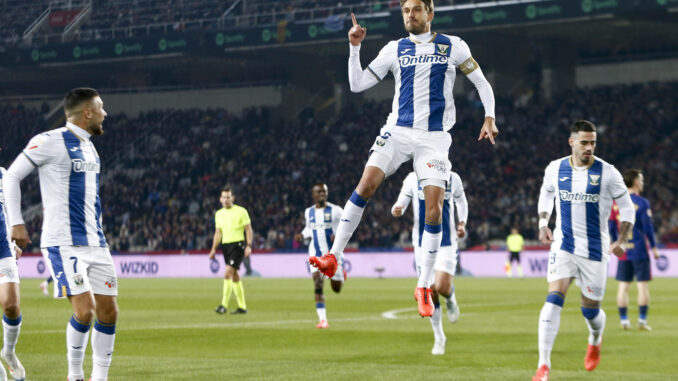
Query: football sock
x=11, y=329
x=228, y=288
x=520, y=270
x=595, y=320
x=103, y=339
x=623, y=313
x=350, y=218
x=320, y=309
x=549, y=323
x=430, y=244
x=77, y=334
x=239, y=294
x=507, y=268
x=437, y=323
x=642, y=315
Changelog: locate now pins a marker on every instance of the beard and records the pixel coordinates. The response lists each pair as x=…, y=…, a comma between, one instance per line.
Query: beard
x=96, y=129
x=415, y=28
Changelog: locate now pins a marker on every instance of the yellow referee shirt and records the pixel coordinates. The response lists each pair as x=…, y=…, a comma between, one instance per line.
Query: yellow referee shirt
x=232, y=223
x=515, y=243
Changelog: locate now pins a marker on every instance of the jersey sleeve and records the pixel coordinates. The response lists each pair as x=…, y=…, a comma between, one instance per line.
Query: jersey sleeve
x=462, y=58
x=615, y=185
x=336, y=217
x=41, y=149
x=648, y=228
x=385, y=61
x=459, y=197
x=547, y=192
x=245, y=219
x=306, y=233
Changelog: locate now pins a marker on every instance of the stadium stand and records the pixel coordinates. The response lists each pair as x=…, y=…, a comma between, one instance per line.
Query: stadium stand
x=128, y=18
x=163, y=170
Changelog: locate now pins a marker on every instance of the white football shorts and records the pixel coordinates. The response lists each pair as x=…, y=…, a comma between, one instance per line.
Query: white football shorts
x=590, y=276
x=428, y=149
x=446, y=260
x=9, y=271
x=79, y=269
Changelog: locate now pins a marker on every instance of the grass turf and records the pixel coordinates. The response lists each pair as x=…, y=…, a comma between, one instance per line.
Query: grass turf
x=167, y=330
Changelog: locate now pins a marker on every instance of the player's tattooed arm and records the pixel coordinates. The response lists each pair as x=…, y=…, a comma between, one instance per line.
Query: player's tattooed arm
x=617, y=247
x=545, y=234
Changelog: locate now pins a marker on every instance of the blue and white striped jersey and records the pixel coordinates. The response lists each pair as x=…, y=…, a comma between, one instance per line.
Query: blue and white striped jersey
x=424, y=77
x=68, y=167
x=6, y=245
x=454, y=195
x=583, y=203
x=321, y=224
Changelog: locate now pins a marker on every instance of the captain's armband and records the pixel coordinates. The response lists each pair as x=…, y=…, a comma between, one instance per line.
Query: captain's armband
x=468, y=66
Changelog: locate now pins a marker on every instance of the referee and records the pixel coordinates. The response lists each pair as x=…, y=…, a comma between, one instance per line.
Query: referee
x=231, y=222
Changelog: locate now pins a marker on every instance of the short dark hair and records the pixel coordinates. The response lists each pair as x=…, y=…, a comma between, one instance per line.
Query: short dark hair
x=76, y=97
x=319, y=184
x=427, y=3
x=630, y=176
x=582, y=125
x=227, y=189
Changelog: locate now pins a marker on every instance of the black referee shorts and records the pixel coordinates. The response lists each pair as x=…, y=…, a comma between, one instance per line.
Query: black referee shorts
x=234, y=253
x=514, y=256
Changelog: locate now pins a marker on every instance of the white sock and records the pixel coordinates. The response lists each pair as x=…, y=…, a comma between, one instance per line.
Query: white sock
x=320, y=309
x=103, y=339
x=430, y=245
x=76, y=344
x=549, y=322
x=596, y=328
x=350, y=218
x=437, y=324
x=11, y=329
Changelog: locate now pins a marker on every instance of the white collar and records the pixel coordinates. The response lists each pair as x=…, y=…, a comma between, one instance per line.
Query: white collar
x=78, y=131
x=424, y=37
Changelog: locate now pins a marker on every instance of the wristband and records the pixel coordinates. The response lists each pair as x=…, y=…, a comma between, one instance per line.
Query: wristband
x=543, y=223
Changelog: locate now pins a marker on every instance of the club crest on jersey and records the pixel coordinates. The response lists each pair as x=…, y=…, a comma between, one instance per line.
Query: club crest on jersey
x=594, y=180
x=442, y=49
x=328, y=216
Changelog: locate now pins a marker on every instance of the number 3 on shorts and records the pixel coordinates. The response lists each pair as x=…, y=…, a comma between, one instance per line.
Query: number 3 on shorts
x=552, y=257
x=75, y=264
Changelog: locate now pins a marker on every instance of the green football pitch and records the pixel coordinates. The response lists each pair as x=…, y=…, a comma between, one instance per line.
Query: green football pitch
x=168, y=330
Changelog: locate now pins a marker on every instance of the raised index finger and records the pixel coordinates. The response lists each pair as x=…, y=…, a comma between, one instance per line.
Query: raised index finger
x=354, y=20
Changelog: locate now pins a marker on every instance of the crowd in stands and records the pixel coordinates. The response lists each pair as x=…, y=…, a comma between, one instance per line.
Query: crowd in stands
x=163, y=170
x=126, y=18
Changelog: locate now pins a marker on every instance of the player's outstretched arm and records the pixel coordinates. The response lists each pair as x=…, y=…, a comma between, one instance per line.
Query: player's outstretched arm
x=360, y=80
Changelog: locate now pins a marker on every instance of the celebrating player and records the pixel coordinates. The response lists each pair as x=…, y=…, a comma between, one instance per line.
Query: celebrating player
x=72, y=238
x=322, y=219
x=446, y=260
x=636, y=261
x=424, y=66
x=583, y=186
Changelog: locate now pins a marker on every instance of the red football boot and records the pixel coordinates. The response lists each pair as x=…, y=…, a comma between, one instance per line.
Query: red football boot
x=424, y=301
x=542, y=374
x=327, y=264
